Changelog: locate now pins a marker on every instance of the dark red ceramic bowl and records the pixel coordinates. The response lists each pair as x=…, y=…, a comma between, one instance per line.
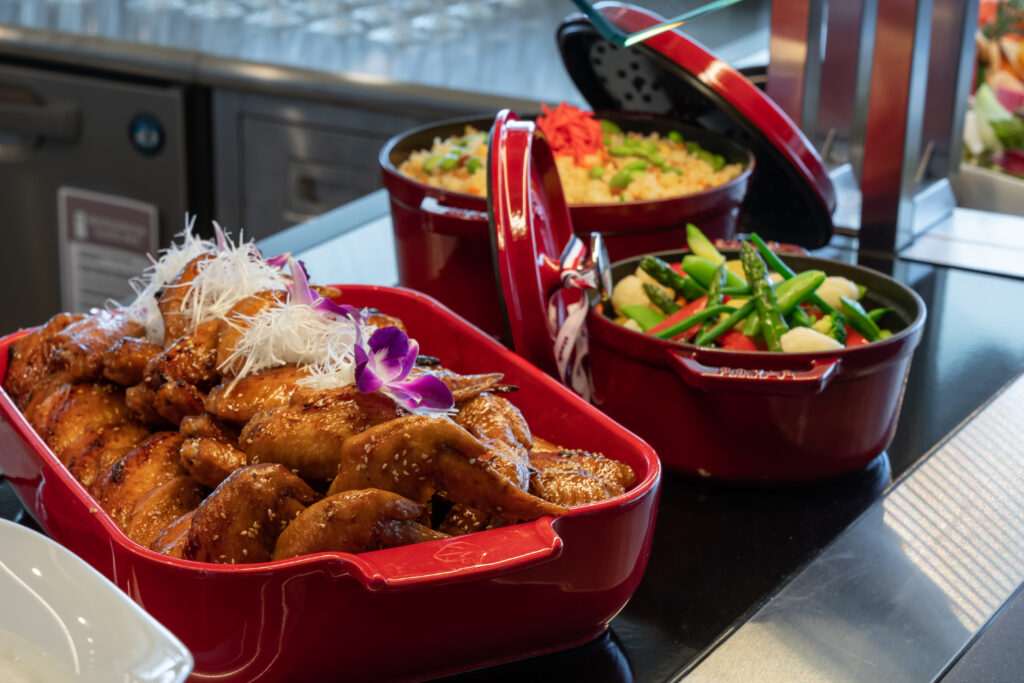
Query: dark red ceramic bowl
x=443, y=240
x=403, y=613
x=759, y=416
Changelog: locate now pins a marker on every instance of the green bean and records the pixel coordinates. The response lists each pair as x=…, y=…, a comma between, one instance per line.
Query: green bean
x=474, y=164
x=705, y=338
x=656, y=159
x=638, y=165
x=596, y=171
x=675, y=136
x=622, y=151
x=690, y=321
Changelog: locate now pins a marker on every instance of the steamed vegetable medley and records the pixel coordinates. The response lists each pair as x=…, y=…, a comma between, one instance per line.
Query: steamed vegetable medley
x=597, y=161
x=741, y=304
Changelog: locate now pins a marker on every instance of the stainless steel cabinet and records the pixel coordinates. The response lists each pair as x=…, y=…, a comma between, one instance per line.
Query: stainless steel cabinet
x=118, y=138
x=280, y=162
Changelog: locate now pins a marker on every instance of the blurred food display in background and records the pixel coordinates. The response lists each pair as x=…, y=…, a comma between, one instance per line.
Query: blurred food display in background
x=994, y=125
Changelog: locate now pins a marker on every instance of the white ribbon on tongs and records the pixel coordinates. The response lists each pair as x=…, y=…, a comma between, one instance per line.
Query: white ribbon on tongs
x=571, y=339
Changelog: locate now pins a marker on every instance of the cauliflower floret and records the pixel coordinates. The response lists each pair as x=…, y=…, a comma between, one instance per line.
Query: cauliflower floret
x=804, y=339
x=630, y=291
x=631, y=324
x=836, y=286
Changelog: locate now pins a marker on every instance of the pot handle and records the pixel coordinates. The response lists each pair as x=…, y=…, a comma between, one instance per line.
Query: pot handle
x=449, y=220
x=462, y=558
x=752, y=380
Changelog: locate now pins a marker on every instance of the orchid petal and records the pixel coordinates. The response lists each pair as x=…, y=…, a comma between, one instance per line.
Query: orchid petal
x=340, y=310
x=279, y=261
x=426, y=391
x=222, y=241
x=366, y=379
x=299, y=287
x=409, y=360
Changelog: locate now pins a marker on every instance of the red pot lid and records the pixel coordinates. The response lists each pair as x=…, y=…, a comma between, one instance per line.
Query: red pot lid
x=791, y=197
x=530, y=228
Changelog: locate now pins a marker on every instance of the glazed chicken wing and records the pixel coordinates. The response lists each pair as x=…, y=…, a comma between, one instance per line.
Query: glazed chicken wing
x=192, y=358
x=306, y=436
x=503, y=430
x=239, y=401
x=132, y=478
x=463, y=387
x=29, y=365
x=354, y=522
x=417, y=455
x=125, y=362
x=92, y=454
x=233, y=325
x=210, y=461
x=170, y=540
x=141, y=401
x=74, y=409
x=173, y=298
x=161, y=507
x=573, y=477
x=84, y=343
x=241, y=520
x=207, y=426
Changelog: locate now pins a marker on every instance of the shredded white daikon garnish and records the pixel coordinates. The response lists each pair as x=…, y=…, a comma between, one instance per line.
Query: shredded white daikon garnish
x=288, y=333
x=234, y=273
x=148, y=286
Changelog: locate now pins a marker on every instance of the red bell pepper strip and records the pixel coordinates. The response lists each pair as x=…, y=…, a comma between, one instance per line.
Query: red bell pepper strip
x=682, y=314
x=854, y=338
x=737, y=341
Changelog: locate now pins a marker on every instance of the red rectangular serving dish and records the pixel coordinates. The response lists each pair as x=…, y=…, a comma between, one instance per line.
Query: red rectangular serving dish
x=404, y=613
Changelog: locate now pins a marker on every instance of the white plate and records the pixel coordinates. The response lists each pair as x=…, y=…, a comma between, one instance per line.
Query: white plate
x=57, y=612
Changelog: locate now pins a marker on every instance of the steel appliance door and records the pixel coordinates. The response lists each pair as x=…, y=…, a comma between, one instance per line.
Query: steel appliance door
x=103, y=136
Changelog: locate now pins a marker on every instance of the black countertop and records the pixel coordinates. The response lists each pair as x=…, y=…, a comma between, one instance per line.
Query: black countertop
x=720, y=551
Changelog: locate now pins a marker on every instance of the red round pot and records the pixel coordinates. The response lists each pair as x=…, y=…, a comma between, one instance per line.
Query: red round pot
x=759, y=416
x=443, y=241
x=733, y=415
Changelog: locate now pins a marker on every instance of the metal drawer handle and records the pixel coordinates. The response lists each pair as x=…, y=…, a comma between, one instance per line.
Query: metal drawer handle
x=55, y=121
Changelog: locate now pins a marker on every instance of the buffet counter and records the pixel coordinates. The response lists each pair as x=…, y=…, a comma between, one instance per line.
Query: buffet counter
x=725, y=557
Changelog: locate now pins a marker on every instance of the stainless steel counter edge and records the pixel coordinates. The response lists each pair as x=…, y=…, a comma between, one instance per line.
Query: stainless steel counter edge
x=903, y=590
x=191, y=67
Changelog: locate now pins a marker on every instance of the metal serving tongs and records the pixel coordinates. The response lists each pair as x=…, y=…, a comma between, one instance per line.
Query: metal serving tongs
x=613, y=34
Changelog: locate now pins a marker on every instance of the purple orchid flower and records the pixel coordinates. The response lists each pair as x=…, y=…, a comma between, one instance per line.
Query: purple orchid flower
x=301, y=293
x=385, y=363
x=280, y=261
